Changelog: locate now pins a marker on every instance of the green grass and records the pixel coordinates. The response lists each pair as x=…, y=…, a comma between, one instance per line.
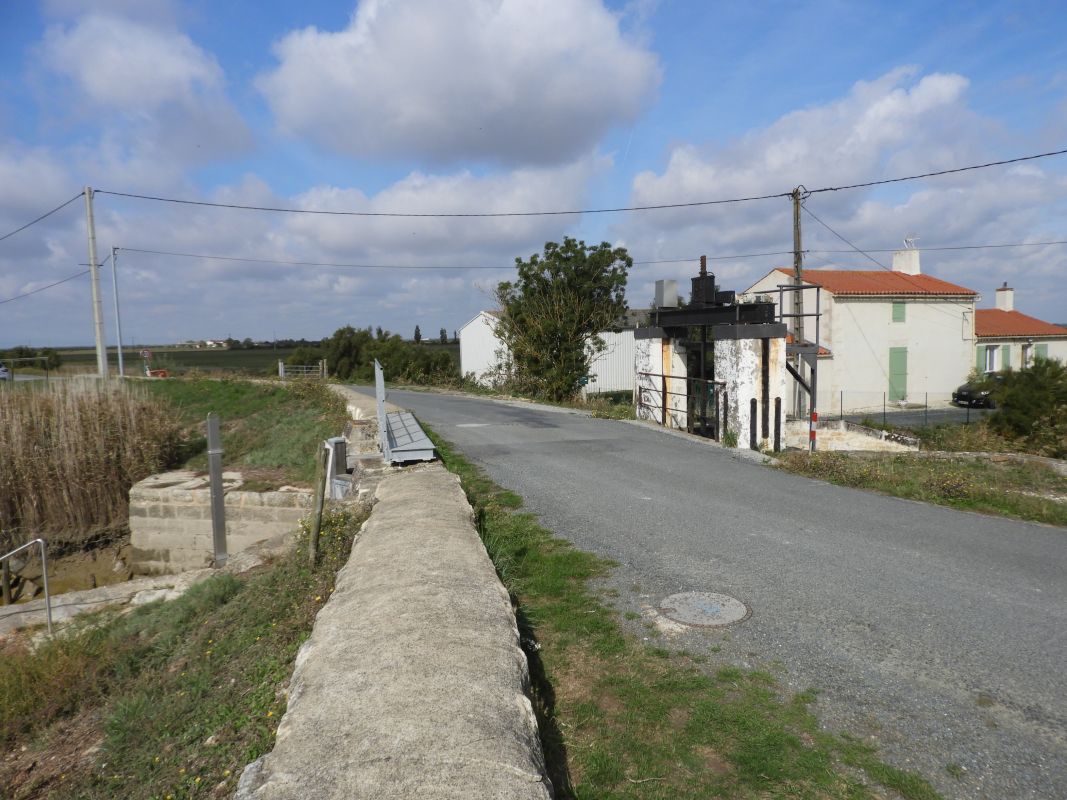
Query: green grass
x=179, y=696
x=1005, y=488
x=270, y=430
x=622, y=719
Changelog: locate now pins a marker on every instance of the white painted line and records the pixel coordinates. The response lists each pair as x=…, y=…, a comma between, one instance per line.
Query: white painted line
x=473, y=425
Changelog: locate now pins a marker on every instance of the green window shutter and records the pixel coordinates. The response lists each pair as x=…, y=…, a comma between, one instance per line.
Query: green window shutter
x=898, y=312
x=898, y=373
x=1005, y=356
x=979, y=358
x=1041, y=351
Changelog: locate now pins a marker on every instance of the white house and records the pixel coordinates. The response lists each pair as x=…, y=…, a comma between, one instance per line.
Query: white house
x=890, y=336
x=1007, y=338
x=481, y=352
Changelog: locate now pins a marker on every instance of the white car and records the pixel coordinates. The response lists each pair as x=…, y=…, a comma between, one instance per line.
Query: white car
x=5, y=373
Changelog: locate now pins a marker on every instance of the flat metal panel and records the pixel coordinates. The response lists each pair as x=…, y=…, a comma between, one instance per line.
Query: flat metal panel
x=613, y=369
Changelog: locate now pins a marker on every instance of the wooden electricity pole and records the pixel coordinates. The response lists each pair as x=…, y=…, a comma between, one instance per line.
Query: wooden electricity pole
x=798, y=299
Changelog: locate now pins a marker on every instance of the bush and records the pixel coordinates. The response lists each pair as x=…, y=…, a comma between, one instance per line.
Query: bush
x=351, y=352
x=1032, y=406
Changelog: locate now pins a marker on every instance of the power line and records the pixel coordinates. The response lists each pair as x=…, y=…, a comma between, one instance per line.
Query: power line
x=725, y=201
x=484, y=214
x=248, y=260
x=953, y=247
x=44, y=288
x=43, y=216
x=939, y=172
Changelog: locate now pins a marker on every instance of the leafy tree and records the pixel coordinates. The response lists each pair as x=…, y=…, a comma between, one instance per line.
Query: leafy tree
x=304, y=355
x=418, y=335
x=444, y=336
x=379, y=332
x=1032, y=405
x=551, y=314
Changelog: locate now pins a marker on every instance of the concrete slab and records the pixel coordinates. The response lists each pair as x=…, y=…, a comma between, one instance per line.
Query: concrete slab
x=413, y=683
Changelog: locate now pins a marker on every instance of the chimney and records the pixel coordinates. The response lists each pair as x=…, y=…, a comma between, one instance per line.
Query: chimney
x=1006, y=298
x=906, y=261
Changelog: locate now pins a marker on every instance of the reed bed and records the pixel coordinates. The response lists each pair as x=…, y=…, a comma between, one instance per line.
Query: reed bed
x=70, y=451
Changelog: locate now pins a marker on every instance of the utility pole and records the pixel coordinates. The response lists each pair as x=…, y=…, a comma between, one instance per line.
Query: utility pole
x=798, y=299
x=118, y=317
x=94, y=280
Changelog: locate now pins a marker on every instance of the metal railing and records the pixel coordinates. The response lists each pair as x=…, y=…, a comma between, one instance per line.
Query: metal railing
x=701, y=407
x=44, y=572
x=302, y=370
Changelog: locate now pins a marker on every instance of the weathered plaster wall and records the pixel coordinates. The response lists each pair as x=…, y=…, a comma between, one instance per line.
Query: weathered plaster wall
x=738, y=364
x=170, y=520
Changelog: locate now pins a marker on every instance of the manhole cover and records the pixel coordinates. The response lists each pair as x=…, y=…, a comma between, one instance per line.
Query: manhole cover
x=706, y=609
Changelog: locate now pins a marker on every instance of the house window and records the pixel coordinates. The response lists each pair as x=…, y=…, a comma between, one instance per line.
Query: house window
x=1041, y=351
x=991, y=359
x=898, y=312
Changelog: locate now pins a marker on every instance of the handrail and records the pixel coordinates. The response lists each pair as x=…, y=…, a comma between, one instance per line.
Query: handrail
x=44, y=571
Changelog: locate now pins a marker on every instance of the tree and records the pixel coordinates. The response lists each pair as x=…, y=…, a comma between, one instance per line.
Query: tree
x=418, y=335
x=551, y=315
x=1032, y=405
x=444, y=336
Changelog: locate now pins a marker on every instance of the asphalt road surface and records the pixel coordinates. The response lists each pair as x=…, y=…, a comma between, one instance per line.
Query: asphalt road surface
x=940, y=636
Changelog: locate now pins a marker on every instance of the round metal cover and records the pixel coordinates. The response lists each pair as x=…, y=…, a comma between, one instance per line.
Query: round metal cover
x=705, y=609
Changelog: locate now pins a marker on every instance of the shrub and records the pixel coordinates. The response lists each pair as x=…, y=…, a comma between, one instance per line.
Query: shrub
x=1032, y=405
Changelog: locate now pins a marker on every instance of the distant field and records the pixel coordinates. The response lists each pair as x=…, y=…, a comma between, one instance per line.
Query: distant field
x=180, y=359
x=258, y=361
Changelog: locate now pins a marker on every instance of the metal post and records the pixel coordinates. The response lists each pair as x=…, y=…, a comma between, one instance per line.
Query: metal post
x=6, y=580
x=47, y=593
x=118, y=317
x=777, y=424
x=94, y=281
x=320, y=492
x=218, y=498
x=883, y=410
x=752, y=425
x=926, y=411
x=663, y=380
x=725, y=414
x=798, y=297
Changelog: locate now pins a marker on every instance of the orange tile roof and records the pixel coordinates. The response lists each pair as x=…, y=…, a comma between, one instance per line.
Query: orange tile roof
x=992, y=322
x=880, y=282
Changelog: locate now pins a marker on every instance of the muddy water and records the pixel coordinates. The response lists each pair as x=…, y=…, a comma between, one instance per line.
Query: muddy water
x=80, y=570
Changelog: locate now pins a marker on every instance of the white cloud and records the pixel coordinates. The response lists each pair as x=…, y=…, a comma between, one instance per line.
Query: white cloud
x=508, y=81
x=130, y=66
x=896, y=125
x=157, y=99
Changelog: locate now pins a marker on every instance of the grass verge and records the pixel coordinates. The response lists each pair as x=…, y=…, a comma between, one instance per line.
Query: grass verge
x=171, y=700
x=620, y=719
x=270, y=431
x=1021, y=490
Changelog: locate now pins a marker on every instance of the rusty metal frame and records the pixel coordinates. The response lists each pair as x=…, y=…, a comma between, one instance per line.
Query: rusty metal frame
x=664, y=393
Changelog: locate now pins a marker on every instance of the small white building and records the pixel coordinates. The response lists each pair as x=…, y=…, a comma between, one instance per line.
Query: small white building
x=894, y=336
x=1008, y=339
x=482, y=352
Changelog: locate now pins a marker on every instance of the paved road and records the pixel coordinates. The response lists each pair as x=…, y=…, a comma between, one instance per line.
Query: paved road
x=941, y=635
x=917, y=418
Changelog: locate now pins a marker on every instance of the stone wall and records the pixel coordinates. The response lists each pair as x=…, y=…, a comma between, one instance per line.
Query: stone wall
x=170, y=520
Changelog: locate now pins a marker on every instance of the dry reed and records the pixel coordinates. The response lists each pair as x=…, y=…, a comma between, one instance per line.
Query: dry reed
x=70, y=451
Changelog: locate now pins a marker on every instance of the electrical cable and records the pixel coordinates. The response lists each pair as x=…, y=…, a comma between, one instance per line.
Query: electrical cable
x=952, y=247
x=439, y=215
x=43, y=288
x=43, y=216
x=578, y=211
x=939, y=172
x=402, y=266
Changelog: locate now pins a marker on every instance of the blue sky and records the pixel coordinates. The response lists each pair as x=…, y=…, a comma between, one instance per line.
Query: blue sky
x=498, y=105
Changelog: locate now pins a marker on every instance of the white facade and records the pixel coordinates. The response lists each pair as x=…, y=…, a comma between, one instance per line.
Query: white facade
x=1008, y=339
x=481, y=352
x=897, y=349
